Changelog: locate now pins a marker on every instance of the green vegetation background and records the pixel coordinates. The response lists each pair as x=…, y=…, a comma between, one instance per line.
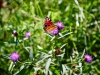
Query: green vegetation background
x=82, y=17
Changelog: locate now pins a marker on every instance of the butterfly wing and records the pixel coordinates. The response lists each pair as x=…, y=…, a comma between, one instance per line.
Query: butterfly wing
x=49, y=26
x=48, y=21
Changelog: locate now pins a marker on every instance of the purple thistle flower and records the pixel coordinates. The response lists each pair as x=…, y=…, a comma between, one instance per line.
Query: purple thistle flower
x=60, y=25
x=27, y=35
x=88, y=58
x=54, y=32
x=15, y=33
x=14, y=57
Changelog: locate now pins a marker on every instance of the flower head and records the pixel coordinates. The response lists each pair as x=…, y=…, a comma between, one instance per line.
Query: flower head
x=88, y=58
x=1, y=2
x=15, y=33
x=57, y=52
x=76, y=71
x=36, y=73
x=60, y=25
x=54, y=32
x=27, y=35
x=14, y=57
x=74, y=65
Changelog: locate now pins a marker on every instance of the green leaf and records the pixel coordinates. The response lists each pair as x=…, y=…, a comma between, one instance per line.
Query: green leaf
x=21, y=68
x=47, y=65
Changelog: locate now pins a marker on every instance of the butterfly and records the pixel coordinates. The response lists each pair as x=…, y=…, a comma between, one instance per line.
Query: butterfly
x=49, y=25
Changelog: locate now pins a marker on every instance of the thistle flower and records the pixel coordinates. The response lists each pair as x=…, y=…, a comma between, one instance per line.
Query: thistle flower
x=57, y=52
x=87, y=58
x=36, y=73
x=76, y=71
x=14, y=57
x=15, y=33
x=74, y=65
x=27, y=35
x=54, y=32
x=60, y=25
x=1, y=2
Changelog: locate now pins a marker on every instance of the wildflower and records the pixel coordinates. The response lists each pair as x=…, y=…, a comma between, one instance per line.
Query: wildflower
x=14, y=57
x=1, y=2
x=76, y=71
x=57, y=52
x=54, y=32
x=74, y=65
x=15, y=33
x=88, y=58
x=27, y=35
x=36, y=73
x=60, y=25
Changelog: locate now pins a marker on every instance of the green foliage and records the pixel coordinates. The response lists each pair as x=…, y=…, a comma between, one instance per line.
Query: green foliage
x=80, y=35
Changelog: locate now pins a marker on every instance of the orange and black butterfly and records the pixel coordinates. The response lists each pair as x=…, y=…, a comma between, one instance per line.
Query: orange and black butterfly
x=49, y=26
